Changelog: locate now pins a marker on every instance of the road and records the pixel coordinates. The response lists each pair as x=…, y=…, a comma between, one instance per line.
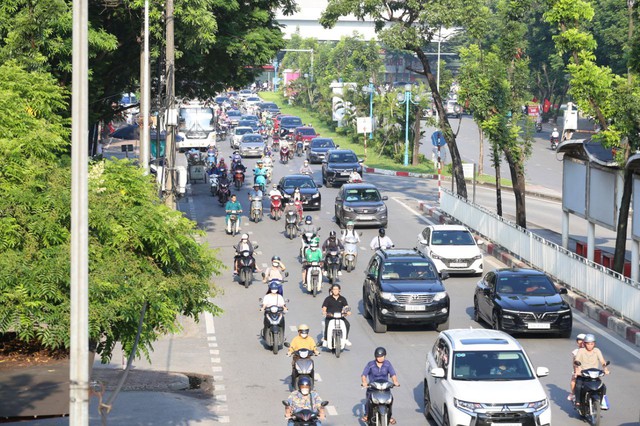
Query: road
x=255, y=381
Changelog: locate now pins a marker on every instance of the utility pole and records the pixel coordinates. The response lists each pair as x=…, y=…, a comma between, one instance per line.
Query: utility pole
x=145, y=89
x=171, y=92
x=79, y=333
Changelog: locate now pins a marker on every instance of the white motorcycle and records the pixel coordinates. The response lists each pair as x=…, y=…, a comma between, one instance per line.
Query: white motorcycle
x=256, y=209
x=336, y=332
x=350, y=254
x=314, y=278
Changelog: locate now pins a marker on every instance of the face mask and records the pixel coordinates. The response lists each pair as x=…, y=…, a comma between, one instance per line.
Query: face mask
x=274, y=264
x=274, y=291
x=304, y=334
x=304, y=391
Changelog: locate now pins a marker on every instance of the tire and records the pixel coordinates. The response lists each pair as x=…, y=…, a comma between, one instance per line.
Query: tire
x=476, y=311
x=594, y=412
x=324, y=180
x=427, y=401
x=276, y=344
x=314, y=286
x=349, y=266
x=365, y=310
x=495, y=321
x=378, y=326
x=246, y=279
x=337, y=344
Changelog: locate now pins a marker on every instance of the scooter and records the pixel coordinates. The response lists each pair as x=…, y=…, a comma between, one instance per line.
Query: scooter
x=238, y=178
x=291, y=225
x=260, y=180
x=302, y=366
x=273, y=335
x=284, y=154
x=592, y=396
x=350, y=254
x=554, y=142
x=246, y=266
x=306, y=239
x=538, y=127
x=276, y=207
x=336, y=332
x=332, y=264
x=256, y=209
x=213, y=184
x=223, y=193
x=275, y=142
x=380, y=401
x=314, y=278
x=233, y=226
x=305, y=417
x=299, y=148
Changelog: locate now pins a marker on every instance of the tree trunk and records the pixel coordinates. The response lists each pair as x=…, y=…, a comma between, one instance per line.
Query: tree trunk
x=498, y=190
x=416, y=137
x=623, y=218
x=518, y=179
x=481, y=153
x=456, y=159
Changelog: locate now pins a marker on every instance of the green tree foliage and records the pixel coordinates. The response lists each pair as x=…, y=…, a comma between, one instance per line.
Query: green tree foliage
x=139, y=250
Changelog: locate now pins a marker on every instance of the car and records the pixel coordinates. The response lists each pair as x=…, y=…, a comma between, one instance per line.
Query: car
x=318, y=148
x=311, y=198
x=452, y=248
x=251, y=101
x=453, y=108
x=270, y=107
x=222, y=100
x=288, y=124
x=522, y=301
x=338, y=165
x=483, y=377
x=233, y=115
x=249, y=123
x=251, y=145
x=244, y=94
x=362, y=204
x=237, y=133
x=304, y=134
x=402, y=286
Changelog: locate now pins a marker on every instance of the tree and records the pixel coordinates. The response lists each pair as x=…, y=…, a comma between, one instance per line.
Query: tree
x=139, y=250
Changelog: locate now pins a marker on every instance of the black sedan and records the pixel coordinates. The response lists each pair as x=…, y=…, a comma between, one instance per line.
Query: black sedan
x=338, y=165
x=311, y=199
x=522, y=301
x=318, y=148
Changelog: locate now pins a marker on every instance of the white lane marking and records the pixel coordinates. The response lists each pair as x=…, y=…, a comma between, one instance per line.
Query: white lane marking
x=363, y=248
x=215, y=360
x=258, y=252
x=218, y=378
x=214, y=352
x=221, y=398
x=331, y=410
x=208, y=321
x=211, y=338
x=213, y=345
x=216, y=369
x=317, y=377
x=218, y=387
x=414, y=211
x=590, y=326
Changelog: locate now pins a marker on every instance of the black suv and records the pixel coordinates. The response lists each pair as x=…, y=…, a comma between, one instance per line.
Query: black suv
x=522, y=300
x=403, y=286
x=288, y=124
x=338, y=164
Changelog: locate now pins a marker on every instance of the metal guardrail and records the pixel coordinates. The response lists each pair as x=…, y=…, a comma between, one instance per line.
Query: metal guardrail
x=602, y=285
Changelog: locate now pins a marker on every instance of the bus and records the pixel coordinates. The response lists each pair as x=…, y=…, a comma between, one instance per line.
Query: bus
x=196, y=126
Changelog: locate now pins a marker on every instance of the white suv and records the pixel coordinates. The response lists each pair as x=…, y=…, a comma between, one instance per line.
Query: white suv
x=483, y=377
x=452, y=248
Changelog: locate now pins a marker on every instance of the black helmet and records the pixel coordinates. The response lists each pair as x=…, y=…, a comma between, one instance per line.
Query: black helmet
x=380, y=351
x=304, y=381
x=275, y=258
x=307, y=220
x=381, y=232
x=332, y=235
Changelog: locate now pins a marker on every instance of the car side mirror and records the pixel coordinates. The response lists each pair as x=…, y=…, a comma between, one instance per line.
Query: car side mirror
x=338, y=198
x=563, y=290
x=385, y=198
x=360, y=160
x=444, y=276
x=542, y=371
x=319, y=185
x=424, y=242
x=438, y=373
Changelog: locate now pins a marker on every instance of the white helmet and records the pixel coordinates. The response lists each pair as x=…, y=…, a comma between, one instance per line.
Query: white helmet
x=555, y=129
x=244, y=237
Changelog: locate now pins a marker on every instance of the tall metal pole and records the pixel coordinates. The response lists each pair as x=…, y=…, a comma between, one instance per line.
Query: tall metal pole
x=170, y=148
x=371, y=88
x=311, y=64
x=407, y=101
x=79, y=333
x=145, y=89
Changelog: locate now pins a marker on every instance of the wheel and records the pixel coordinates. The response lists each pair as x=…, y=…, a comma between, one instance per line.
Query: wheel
x=246, y=279
x=337, y=344
x=594, y=411
x=275, y=347
x=314, y=286
x=495, y=320
x=476, y=311
x=427, y=401
x=378, y=326
x=349, y=266
x=365, y=310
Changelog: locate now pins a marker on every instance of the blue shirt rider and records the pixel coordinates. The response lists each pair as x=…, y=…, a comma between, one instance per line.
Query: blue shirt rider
x=232, y=205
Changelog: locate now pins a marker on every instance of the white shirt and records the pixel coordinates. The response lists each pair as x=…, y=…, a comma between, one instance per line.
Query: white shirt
x=384, y=242
x=272, y=299
x=555, y=134
x=275, y=192
x=350, y=237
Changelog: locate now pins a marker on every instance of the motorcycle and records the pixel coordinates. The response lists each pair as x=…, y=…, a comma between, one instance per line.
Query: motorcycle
x=314, y=278
x=336, y=332
x=284, y=154
x=305, y=417
x=273, y=335
x=350, y=254
x=306, y=239
x=256, y=209
x=260, y=180
x=233, y=226
x=554, y=142
x=332, y=264
x=302, y=366
x=246, y=266
x=592, y=397
x=538, y=127
x=238, y=178
x=299, y=148
x=380, y=401
x=291, y=225
x=276, y=207
x=213, y=184
x=223, y=193
x=275, y=142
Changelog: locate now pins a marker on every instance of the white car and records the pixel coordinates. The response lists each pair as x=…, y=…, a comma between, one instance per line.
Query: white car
x=252, y=101
x=452, y=248
x=483, y=377
x=236, y=135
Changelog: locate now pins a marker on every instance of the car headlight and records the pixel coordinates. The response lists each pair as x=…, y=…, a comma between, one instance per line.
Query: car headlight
x=316, y=195
x=440, y=296
x=478, y=257
x=509, y=314
x=348, y=209
x=469, y=407
x=435, y=256
x=388, y=296
x=539, y=405
x=381, y=209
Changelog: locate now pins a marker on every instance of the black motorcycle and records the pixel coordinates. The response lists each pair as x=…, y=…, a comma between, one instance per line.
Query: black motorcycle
x=554, y=142
x=291, y=225
x=591, y=395
x=246, y=266
x=305, y=417
x=303, y=366
x=273, y=334
x=538, y=127
x=223, y=193
x=332, y=264
x=380, y=401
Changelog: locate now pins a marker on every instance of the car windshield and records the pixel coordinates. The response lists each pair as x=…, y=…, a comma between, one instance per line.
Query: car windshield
x=452, y=238
x=531, y=285
x=242, y=131
x=490, y=366
x=253, y=99
x=307, y=132
x=270, y=106
x=252, y=139
x=250, y=118
x=362, y=194
x=300, y=182
x=343, y=157
x=291, y=121
x=233, y=113
x=322, y=143
x=408, y=270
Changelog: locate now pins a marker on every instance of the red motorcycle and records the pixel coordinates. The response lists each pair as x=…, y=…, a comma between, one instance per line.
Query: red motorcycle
x=284, y=154
x=238, y=178
x=276, y=207
x=275, y=142
x=298, y=205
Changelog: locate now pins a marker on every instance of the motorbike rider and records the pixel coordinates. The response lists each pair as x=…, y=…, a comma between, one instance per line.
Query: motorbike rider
x=275, y=192
x=580, y=343
x=232, y=205
x=273, y=298
x=222, y=164
x=243, y=245
x=308, y=228
x=302, y=340
x=333, y=243
x=304, y=399
x=381, y=241
x=259, y=171
x=349, y=234
x=297, y=196
x=312, y=254
x=589, y=357
x=335, y=302
x=236, y=159
x=306, y=169
x=290, y=206
x=256, y=192
x=354, y=176
x=378, y=369
x=555, y=134
x=275, y=271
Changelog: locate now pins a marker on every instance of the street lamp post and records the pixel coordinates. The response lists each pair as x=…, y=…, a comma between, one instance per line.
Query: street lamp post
x=407, y=101
x=370, y=89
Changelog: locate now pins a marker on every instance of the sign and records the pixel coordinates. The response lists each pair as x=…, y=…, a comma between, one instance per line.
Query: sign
x=437, y=138
x=533, y=110
x=363, y=124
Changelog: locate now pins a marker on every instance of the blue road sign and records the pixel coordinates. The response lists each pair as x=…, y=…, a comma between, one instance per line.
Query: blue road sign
x=437, y=139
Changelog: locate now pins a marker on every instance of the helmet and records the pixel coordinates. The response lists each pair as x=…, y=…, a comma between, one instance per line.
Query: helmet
x=244, y=237
x=581, y=336
x=332, y=235
x=304, y=381
x=381, y=232
x=380, y=351
x=315, y=243
x=306, y=162
x=275, y=258
x=297, y=189
x=350, y=224
x=589, y=338
x=259, y=162
x=303, y=327
x=275, y=186
x=307, y=220
x=273, y=286
x=256, y=185
x=555, y=129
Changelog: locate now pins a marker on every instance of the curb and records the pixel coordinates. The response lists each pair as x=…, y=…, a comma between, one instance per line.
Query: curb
x=629, y=332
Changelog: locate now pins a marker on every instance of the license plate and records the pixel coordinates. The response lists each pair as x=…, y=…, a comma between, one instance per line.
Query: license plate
x=539, y=325
x=415, y=307
x=345, y=174
x=458, y=265
x=366, y=217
